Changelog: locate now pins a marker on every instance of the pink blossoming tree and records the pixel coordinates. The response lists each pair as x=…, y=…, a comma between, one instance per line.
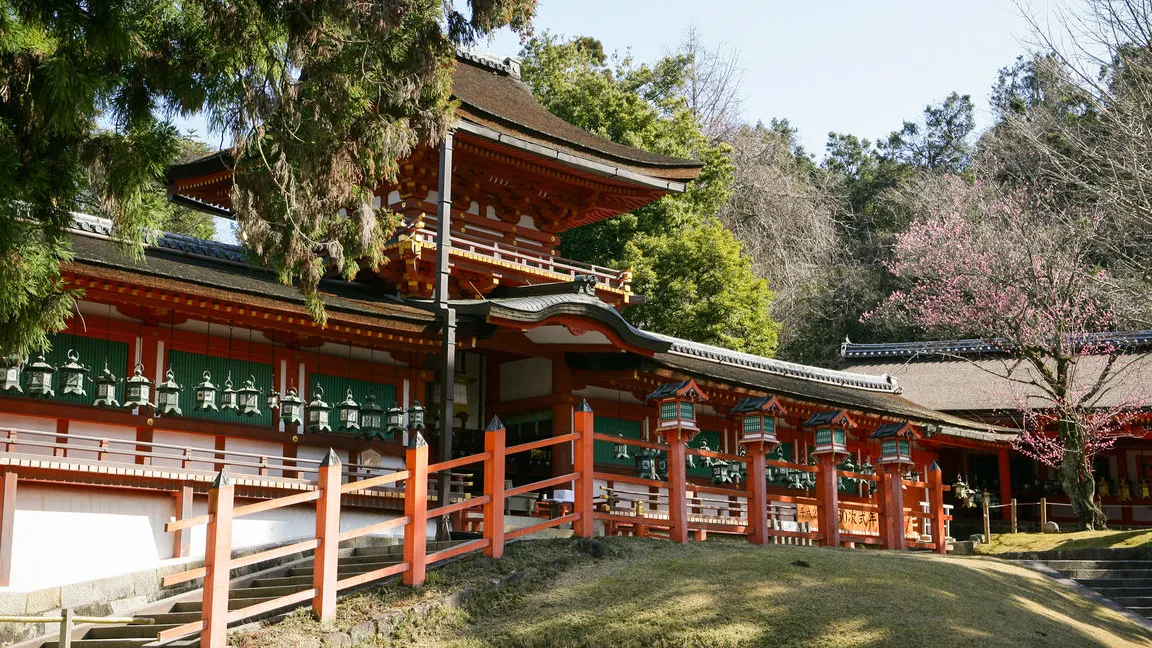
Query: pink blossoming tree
x=1020, y=275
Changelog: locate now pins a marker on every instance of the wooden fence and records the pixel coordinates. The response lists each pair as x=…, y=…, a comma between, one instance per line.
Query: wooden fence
x=679, y=513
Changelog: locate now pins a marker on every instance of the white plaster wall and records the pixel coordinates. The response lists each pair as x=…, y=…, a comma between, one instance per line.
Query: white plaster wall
x=120, y=438
x=65, y=535
x=182, y=440
x=36, y=423
x=253, y=446
x=525, y=378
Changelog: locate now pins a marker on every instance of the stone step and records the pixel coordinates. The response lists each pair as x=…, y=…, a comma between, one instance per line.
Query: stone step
x=174, y=617
x=264, y=592
x=1114, y=592
x=1145, y=600
x=233, y=604
x=303, y=581
x=398, y=549
x=369, y=559
x=1097, y=583
x=1086, y=574
x=1066, y=565
x=127, y=631
x=1144, y=611
x=344, y=570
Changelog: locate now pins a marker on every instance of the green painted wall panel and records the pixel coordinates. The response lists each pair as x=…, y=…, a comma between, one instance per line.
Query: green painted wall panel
x=603, y=452
x=336, y=390
x=92, y=352
x=713, y=441
x=189, y=369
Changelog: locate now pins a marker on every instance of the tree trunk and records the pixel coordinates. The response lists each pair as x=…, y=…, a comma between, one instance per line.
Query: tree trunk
x=1077, y=480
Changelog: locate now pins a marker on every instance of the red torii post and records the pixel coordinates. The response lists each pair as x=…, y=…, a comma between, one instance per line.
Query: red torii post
x=759, y=418
x=676, y=425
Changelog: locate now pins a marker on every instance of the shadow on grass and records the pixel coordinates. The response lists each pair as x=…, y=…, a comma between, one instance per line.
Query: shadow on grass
x=715, y=595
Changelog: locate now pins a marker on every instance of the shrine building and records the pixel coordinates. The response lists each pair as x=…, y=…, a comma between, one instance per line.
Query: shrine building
x=193, y=360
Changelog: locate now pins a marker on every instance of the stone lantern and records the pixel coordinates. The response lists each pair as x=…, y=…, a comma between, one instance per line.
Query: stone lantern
x=831, y=432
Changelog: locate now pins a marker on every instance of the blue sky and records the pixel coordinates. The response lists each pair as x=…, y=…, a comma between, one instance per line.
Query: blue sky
x=852, y=66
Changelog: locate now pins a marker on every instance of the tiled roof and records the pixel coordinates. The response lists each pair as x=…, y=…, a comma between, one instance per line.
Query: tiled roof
x=205, y=249
x=1128, y=340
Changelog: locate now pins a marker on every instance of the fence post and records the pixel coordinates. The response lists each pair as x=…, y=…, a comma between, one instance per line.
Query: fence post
x=8, y=483
x=828, y=497
x=585, y=464
x=1013, y=515
x=757, y=495
x=1043, y=513
x=987, y=524
x=936, y=507
x=324, y=573
x=494, y=489
x=677, y=487
x=416, y=508
x=894, y=509
x=217, y=556
x=65, y=637
x=881, y=499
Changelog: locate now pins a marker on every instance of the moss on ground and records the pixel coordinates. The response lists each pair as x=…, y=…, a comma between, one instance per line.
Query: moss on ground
x=727, y=594
x=1013, y=542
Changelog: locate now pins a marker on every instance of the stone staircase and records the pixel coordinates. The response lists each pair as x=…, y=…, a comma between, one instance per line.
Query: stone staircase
x=243, y=592
x=1122, y=576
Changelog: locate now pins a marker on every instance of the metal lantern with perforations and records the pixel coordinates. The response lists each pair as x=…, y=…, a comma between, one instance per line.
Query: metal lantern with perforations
x=416, y=416
x=12, y=367
x=831, y=432
x=291, y=408
x=206, y=393
x=40, y=377
x=371, y=418
x=248, y=398
x=348, y=413
x=317, y=412
x=106, y=389
x=759, y=418
x=229, y=398
x=272, y=400
x=394, y=420
x=139, y=389
x=168, y=396
x=73, y=374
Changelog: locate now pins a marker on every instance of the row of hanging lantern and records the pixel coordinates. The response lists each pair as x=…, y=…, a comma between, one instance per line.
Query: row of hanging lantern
x=369, y=420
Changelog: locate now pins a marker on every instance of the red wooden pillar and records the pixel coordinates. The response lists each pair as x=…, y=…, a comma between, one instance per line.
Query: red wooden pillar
x=416, y=509
x=182, y=538
x=880, y=499
x=936, y=507
x=677, y=487
x=217, y=556
x=7, y=525
x=1005, y=482
x=894, y=509
x=829, y=497
x=562, y=458
x=757, y=495
x=494, y=489
x=585, y=465
x=324, y=573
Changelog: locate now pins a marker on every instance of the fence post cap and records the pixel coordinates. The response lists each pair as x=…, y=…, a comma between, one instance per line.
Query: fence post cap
x=222, y=479
x=330, y=459
x=935, y=467
x=583, y=406
x=495, y=424
x=416, y=440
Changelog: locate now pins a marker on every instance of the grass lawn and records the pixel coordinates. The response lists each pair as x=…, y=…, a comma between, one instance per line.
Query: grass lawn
x=1009, y=542
x=726, y=594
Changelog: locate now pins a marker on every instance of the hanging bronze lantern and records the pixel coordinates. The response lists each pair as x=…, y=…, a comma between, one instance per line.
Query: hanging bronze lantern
x=229, y=398
x=291, y=408
x=416, y=416
x=394, y=420
x=12, y=367
x=348, y=413
x=248, y=398
x=168, y=396
x=206, y=393
x=317, y=411
x=371, y=418
x=73, y=374
x=40, y=378
x=272, y=400
x=620, y=450
x=106, y=389
x=139, y=389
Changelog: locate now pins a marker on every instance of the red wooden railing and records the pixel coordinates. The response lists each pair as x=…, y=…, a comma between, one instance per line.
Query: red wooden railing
x=745, y=511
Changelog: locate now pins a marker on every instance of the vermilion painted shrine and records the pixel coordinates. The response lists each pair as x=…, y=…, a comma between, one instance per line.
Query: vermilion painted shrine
x=194, y=361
